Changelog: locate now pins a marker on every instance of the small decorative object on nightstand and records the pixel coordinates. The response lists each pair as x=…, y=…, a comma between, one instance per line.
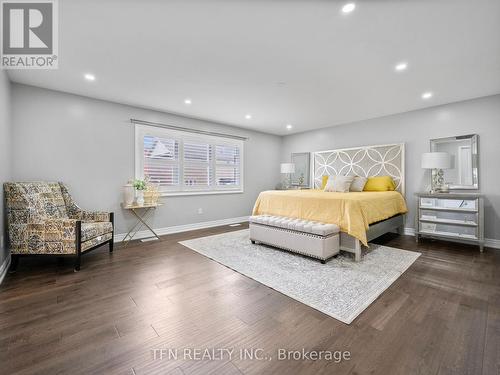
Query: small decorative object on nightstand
x=436, y=161
x=288, y=169
x=450, y=216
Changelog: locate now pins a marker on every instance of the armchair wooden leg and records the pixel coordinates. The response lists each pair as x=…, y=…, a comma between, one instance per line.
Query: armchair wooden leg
x=112, y=240
x=14, y=261
x=78, y=243
x=78, y=262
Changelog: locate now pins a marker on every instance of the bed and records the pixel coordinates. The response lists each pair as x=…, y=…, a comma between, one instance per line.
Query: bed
x=361, y=216
x=352, y=212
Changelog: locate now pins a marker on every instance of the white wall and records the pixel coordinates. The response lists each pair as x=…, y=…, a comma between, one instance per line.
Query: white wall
x=5, y=157
x=416, y=128
x=89, y=144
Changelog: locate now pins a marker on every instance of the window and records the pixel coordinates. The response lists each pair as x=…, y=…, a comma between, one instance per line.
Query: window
x=187, y=163
x=227, y=165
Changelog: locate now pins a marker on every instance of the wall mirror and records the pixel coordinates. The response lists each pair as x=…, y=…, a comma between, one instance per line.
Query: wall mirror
x=301, y=177
x=464, y=170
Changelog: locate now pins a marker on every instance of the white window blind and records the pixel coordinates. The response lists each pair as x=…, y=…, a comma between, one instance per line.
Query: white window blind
x=181, y=162
x=197, y=157
x=227, y=162
x=161, y=160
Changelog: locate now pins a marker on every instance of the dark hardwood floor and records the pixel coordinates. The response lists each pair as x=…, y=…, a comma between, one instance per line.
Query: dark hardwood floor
x=442, y=316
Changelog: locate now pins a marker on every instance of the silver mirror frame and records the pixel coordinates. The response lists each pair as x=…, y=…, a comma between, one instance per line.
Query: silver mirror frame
x=306, y=156
x=475, y=158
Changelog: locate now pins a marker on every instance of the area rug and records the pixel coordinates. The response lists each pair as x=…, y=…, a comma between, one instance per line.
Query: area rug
x=340, y=288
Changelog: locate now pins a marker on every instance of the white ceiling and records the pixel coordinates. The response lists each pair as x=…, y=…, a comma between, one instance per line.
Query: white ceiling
x=284, y=61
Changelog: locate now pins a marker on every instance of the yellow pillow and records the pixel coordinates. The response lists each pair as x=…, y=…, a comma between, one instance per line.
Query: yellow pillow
x=380, y=183
x=324, y=180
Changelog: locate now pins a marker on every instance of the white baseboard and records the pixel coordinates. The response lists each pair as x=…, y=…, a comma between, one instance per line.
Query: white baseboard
x=4, y=268
x=488, y=242
x=409, y=231
x=491, y=242
x=184, y=228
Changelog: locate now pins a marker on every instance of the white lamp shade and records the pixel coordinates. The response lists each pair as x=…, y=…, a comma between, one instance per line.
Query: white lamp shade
x=287, y=168
x=436, y=160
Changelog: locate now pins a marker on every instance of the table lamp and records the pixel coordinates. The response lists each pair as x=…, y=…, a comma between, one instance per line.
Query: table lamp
x=288, y=168
x=436, y=161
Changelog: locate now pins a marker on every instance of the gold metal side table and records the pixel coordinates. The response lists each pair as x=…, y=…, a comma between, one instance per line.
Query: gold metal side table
x=141, y=219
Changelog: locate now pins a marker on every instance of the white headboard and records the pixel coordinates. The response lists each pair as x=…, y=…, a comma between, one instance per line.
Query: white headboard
x=367, y=161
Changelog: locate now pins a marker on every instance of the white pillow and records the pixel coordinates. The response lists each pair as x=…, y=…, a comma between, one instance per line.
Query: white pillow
x=340, y=184
x=358, y=184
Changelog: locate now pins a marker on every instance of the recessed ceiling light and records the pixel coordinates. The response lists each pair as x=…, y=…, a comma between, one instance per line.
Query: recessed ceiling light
x=187, y=101
x=248, y=117
x=348, y=8
x=289, y=126
x=427, y=95
x=401, y=66
x=89, y=77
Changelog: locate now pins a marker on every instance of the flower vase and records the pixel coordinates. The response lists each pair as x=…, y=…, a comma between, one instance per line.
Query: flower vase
x=128, y=194
x=139, y=197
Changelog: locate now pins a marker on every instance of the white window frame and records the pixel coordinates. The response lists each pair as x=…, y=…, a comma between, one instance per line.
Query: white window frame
x=182, y=136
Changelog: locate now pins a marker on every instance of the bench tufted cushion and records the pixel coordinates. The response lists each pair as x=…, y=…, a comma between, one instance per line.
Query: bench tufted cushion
x=306, y=226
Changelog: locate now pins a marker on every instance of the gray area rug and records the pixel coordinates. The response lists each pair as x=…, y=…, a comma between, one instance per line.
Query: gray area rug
x=341, y=288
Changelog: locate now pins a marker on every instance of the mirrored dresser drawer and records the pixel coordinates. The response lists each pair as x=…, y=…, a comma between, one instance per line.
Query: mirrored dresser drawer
x=450, y=216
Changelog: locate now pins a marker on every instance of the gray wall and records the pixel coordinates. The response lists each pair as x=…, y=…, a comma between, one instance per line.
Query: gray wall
x=5, y=157
x=89, y=144
x=416, y=128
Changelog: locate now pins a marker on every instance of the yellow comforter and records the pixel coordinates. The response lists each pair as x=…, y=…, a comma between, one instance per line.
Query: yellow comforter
x=352, y=212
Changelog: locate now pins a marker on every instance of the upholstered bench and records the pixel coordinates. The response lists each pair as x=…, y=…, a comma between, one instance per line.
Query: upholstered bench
x=317, y=240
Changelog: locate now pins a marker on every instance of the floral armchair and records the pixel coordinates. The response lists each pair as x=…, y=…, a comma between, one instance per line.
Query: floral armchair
x=43, y=219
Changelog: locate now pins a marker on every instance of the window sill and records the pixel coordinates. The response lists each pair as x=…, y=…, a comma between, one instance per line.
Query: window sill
x=187, y=193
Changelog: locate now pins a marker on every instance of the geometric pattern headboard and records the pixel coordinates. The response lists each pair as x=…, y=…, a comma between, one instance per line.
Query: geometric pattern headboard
x=366, y=161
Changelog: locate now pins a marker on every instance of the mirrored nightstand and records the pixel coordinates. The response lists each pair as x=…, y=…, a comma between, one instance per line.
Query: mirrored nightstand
x=450, y=216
